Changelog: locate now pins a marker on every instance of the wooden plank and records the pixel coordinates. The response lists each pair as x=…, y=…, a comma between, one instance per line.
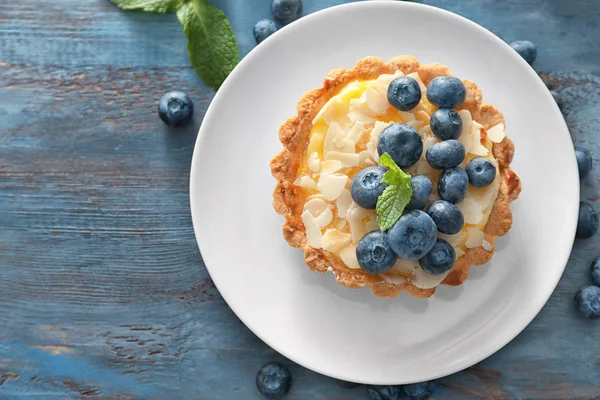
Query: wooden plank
x=102, y=289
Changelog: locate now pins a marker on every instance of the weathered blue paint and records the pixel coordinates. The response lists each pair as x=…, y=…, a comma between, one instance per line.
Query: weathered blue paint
x=103, y=293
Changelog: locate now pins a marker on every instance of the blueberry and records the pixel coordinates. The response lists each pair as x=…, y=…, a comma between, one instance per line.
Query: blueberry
x=384, y=392
x=175, y=108
x=366, y=187
x=446, y=123
x=446, y=92
x=402, y=142
x=374, y=253
x=587, y=224
x=439, y=259
x=418, y=391
x=481, y=172
x=446, y=154
x=263, y=29
x=584, y=162
x=273, y=380
x=413, y=235
x=526, y=49
x=596, y=271
x=421, y=189
x=588, y=301
x=453, y=185
x=346, y=384
x=404, y=93
x=557, y=98
x=286, y=11
x=447, y=217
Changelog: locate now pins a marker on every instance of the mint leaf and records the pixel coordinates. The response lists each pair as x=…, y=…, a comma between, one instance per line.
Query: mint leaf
x=393, y=200
x=161, y=6
x=211, y=43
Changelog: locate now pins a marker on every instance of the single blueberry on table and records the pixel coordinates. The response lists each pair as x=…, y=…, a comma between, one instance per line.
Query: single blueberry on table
x=596, y=271
x=587, y=224
x=584, y=162
x=421, y=189
x=402, y=142
x=286, y=11
x=453, y=184
x=366, y=186
x=374, y=253
x=446, y=92
x=446, y=154
x=418, y=391
x=526, y=49
x=175, y=108
x=481, y=172
x=346, y=384
x=273, y=380
x=440, y=258
x=447, y=217
x=263, y=29
x=446, y=123
x=404, y=93
x=413, y=235
x=588, y=302
x=384, y=392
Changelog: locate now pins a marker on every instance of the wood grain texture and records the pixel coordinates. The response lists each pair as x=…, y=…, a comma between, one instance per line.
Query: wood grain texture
x=103, y=293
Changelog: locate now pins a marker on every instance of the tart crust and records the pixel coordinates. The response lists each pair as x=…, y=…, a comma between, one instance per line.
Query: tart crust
x=294, y=134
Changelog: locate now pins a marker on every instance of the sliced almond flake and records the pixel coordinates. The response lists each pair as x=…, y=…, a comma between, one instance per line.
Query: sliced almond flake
x=347, y=159
x=314, y=162
x=496, y=133
x=316, y=206
x=455, y=239
x=334, y=133
x=357, y=115
x=364, y=158
x=338, y=110
x=343, y=203
x=334, y=240
x=305, y=181
x=376, y=101
x=371, y=224
x=403, y=266
x=356, y=133
x=393, y=279
x=459, y=252
x=316, y=196
x=423, y=168
x=325, y=218
x=323, y=109
x=348, y=256
x=345, y=146
x=406, y=116
x=465, y=137
x=416, y=124
x=487, y=245
x=355, y=216
x=423, y=280
x=331, y=186
x=428, y=141
x=340, y=223
x=474, y=238
x=376, y=131
x=479, y=150
x=330, y=166
x=313, y=231
x=382, y=83
x=472, y=210
x=417, y=78
x=372, y=149
x=423, y=116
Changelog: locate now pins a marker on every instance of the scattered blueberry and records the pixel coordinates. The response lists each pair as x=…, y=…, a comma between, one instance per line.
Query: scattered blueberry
x=526, y=49
x=421, y=189
x=587, y=224
x=557, y=98
x=404, y=93
x=419, y=391
x=374, y=253
x=384, y=392
x=175, y=108
x=413, y=235
x=453, y=185
x=366, y=187
x=440, y=258
x=447, y=217
x=346, y=384
x=263, y=29
x=588, y=301
x=481, y=172
x=584, y=162
x=286, y=11
x=446, y=123
x=273, y=380
x=446, y=154
x=596, y=271
x=446, y=92
x=402, y=142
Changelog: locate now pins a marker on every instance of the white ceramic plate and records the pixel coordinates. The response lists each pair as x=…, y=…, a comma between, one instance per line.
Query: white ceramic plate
x=311, y=319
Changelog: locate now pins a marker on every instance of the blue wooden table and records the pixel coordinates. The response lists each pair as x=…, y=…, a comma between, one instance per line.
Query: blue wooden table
x=103, y=292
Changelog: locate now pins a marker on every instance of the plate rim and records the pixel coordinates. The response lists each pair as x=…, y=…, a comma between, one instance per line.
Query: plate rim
x=502, y=340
